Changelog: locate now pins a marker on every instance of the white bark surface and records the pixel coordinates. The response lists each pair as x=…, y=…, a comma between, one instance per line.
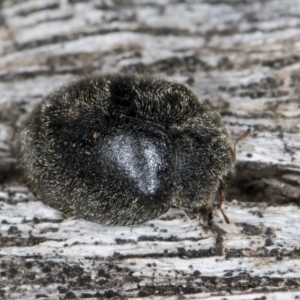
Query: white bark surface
x=242, y=57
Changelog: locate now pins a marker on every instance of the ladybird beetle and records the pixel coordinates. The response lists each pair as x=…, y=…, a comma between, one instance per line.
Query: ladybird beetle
x=123, y=149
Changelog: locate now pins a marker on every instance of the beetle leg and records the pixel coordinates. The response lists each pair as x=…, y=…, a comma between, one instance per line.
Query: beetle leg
x=222, y=199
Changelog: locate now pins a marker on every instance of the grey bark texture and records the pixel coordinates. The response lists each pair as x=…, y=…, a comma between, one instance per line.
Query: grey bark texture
x=242, y=58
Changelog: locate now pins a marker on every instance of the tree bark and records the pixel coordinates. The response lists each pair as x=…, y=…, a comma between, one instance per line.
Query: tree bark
x=242, y=58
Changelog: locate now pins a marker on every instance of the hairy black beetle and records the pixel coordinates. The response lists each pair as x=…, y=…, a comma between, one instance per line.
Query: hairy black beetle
x=121, y=150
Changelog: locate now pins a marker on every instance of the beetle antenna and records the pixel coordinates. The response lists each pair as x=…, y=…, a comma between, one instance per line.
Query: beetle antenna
x=221, y=189
x=241, y=137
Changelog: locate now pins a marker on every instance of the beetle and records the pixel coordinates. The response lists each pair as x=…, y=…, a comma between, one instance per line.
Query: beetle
x=122, y=149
